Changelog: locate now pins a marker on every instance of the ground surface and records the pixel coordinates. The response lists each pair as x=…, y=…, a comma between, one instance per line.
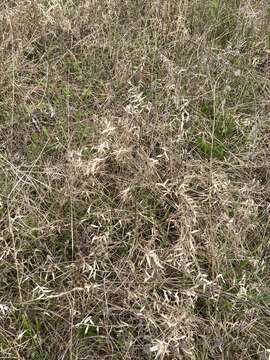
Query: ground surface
x=134, y=179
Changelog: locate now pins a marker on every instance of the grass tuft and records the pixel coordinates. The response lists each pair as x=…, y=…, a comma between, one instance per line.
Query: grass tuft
x=134, y=180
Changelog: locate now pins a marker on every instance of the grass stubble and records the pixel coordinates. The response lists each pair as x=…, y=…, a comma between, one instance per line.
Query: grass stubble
x=134, y=179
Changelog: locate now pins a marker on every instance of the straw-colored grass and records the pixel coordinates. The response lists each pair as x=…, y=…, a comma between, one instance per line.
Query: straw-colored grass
x=134, y=179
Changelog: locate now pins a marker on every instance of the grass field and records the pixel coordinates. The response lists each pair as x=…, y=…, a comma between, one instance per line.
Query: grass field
x=134, y=179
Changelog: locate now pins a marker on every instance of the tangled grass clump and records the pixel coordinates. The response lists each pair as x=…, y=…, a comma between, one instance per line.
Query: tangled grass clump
x=134, y=180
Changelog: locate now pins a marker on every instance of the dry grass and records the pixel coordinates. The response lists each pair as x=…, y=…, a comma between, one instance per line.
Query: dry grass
x=134, y=179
